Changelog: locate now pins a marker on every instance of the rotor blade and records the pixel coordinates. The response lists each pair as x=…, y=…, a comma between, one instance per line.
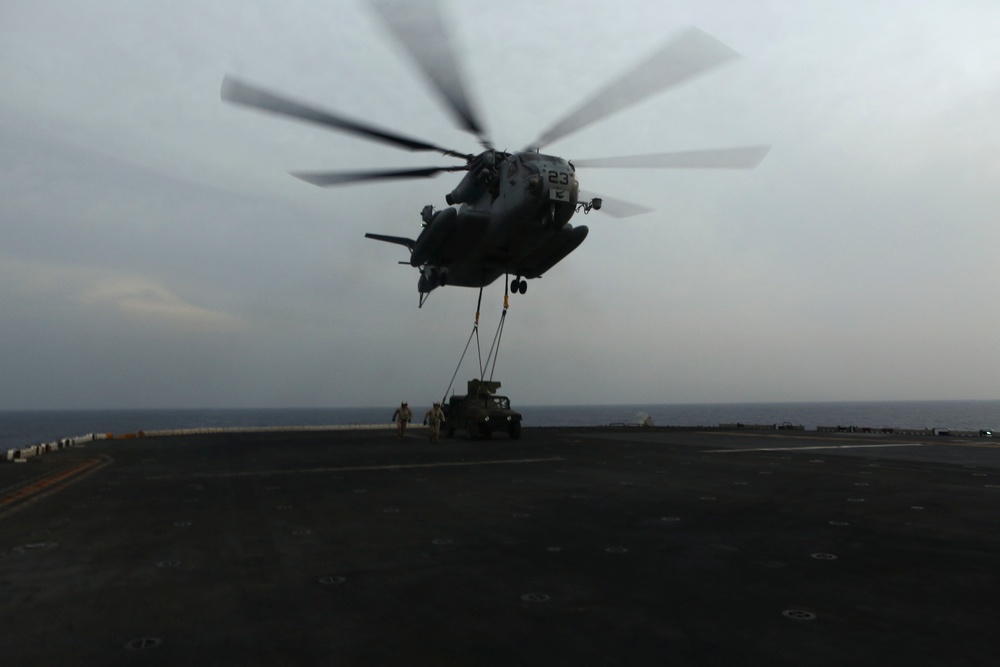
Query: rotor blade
x=398, y=240
x=616, y=208
x=238, y=92
x=745, y=157
x=343, y=177
x=689, y=54
x=418, y=26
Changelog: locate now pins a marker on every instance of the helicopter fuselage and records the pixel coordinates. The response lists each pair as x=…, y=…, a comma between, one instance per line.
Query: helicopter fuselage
x=512, y=218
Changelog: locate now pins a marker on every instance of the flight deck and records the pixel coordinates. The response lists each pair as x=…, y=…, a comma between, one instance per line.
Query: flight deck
x=597, y=546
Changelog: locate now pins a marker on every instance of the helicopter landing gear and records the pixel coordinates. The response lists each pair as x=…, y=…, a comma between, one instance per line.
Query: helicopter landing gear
x=518, y=286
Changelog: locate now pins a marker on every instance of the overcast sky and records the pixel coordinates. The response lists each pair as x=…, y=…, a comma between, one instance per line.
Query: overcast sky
x=156, y=253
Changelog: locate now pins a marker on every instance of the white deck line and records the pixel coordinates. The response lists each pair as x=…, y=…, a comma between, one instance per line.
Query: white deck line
x=273, y=429
x=799, y=449
x=398, y=466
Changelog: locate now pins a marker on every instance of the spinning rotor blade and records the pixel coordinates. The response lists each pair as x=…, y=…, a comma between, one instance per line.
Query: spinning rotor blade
x=691, y=53
x=745, y=157
x=238, y=92
x=343, y=177
x=417, y=25
x=617, y=208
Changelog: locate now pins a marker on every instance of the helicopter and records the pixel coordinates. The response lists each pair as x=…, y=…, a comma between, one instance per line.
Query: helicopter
x=510, y=213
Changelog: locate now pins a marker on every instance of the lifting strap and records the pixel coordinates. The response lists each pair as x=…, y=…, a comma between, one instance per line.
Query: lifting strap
x=494, y=348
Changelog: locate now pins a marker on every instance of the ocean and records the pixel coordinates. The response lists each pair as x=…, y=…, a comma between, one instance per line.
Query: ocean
x=26, y=427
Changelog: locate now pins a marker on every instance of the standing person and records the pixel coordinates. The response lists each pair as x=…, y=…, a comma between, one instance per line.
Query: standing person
x=401, y=416
x=434, y=419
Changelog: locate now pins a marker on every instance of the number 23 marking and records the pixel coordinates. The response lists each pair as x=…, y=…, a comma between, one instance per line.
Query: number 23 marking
x=558, y=178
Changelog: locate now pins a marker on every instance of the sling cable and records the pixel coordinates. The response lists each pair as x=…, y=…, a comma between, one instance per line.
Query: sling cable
x=494, y=350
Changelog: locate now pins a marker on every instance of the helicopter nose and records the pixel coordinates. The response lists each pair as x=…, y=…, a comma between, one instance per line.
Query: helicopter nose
x=430, y=277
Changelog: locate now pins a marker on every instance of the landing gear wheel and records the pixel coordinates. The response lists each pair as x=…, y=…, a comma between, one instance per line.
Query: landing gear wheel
x=515, y=285
x=523, y=289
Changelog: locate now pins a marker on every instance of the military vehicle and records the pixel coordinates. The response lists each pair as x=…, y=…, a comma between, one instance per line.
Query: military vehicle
x=481, y=412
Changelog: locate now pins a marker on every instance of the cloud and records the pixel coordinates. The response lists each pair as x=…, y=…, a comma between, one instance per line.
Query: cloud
x=142, y=299
x=106, y=291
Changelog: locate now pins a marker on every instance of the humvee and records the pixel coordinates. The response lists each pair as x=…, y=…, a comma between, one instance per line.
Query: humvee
x=481, y=412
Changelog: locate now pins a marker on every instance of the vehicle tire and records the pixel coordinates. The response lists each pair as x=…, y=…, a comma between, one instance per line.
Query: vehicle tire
x=473, y=429
x=515, y=430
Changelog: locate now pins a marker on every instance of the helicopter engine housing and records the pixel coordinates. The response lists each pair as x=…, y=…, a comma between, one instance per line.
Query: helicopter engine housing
x=435, y=234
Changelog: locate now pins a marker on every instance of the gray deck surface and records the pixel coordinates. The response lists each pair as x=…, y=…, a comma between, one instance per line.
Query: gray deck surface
x=569, y=546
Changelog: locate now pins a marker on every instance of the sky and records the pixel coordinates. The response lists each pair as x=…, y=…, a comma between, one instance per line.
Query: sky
x=156, y=253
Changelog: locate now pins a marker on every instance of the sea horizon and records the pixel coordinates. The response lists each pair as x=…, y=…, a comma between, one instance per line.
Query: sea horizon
x=29, y=426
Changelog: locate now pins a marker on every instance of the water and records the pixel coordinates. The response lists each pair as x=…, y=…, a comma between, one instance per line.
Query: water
x=20, y=428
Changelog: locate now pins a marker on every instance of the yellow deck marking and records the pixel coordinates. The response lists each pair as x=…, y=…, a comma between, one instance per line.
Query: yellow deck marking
x=49, y=484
